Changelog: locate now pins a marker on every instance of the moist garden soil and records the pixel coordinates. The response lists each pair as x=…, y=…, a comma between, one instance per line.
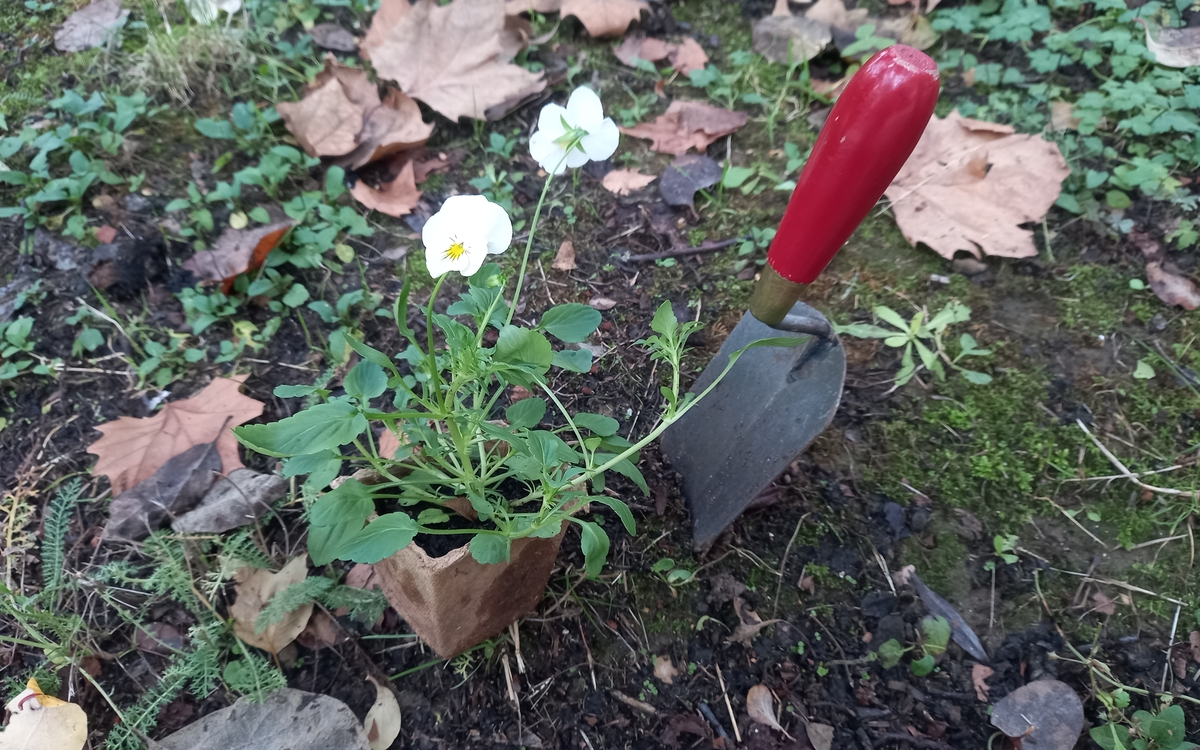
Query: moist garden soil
x=924, y=475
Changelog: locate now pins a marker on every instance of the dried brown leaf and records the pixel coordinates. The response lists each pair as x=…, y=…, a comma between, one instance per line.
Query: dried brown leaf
x=602, y=303
x=363, y=576
x=664, y=670
x=564, y=259
x=255, y=588
x=1062, y=117
x=236, y=500
x=448, y=57
x=687, y=125
x=132, y=450
x=784, y=38
x=389, y=443
x=1194, y=643
x=45, y=727
x=1172, y=288
x=395, y=198
x=332, y=36
x=638, y=47
x=1103, y=604
x=605, y=17
x=382, y=721
x=760, y=704
x=287, y=720
x=90, y=26
x=174, y=489
x=1046, y=714
x=326, y=122
x=106, y=234
x=390, y=13
x=1175, y=48
x=749, y=623
x=687, y=175
x=237, y=251
x=320, y=632
x=979, y=675
x=687, y=56
x=625, y=181
x=820, y=736
x=514, y=7
x=395, y=125
x=834, y=13
x=938, y=200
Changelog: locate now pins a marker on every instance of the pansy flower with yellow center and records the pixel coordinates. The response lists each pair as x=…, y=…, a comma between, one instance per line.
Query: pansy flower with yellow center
x=463, y=233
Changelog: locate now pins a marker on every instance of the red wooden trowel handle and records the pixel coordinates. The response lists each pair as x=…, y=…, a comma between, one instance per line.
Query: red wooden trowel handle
x=870, y=133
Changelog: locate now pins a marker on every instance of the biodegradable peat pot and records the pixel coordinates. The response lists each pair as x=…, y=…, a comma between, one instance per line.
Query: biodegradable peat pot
x=454, y=602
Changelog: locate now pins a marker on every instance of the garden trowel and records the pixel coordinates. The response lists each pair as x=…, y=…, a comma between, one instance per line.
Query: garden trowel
x=776, y=400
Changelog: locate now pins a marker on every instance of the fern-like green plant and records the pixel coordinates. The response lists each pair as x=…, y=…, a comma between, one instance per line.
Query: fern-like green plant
x=54, y=542
x=365, y=605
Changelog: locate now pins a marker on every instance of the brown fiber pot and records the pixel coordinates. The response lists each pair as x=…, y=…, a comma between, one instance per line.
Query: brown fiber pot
x=454, y=602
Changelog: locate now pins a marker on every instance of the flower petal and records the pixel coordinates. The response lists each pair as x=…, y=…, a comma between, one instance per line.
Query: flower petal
x=576, y=158
x=545, y=151
x=437, y=263
x=550, y=121
x=499, y=231
x=601, y=143
x=584, y=109
x=435, y=235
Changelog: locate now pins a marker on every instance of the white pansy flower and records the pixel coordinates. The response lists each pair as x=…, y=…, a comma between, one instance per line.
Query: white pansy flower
x=463, y=233
x=573, y=135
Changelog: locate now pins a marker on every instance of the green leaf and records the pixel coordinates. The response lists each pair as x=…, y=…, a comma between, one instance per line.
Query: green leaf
x=318, y=428
x=625, y=468
x=595, y=546
x=1111, y=736
x=664, y=323
x=890, y=653
x=978, y=378
x=521, y=346
x=735, y=176
x=210, y=128
x=1117, y=199
x=351, y=501
x=1167, y=728
x=573, y=360
x=294, y=391
x=365, y=381
x=891, y=317
x=260, y=214
x=663, y=565
x=383, y=537
x=177, y=205
x=296, y=296
x=335, y=183
x=372, y=355
x=311, y=463
x=600, y=425
x=432, y=517
x=937, y=633
x=526, y=413
x=1144, y=370
x=490, y=549
x=923, y=666
x=324, y=541
x=572, y=322
x=620, y=508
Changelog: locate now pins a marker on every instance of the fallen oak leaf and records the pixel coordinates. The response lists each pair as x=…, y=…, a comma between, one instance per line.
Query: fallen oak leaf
x=390, y=13
x=938, y=199
x=687, y=125
x=605, y=17
x=760, y=704
x=174, y=489
x=287, y=720
x=447, y=57
x=326, y=121
x=395, y=125
x=131, y=450
x=625, y=181
x=382, y=721
x=90, y=26
x=395, y=198
x=255, y=588
x=237, y=251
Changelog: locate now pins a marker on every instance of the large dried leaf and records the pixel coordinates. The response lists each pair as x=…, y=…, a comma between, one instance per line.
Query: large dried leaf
x=132, y=450
x=1168, y=285
x=835, y=14
x=789, y=38
x=332, y=36
x=514, y=7
x=979, y=675
x=42, y=722
x=605, y=17
x=749, y=623
x=341, y=115
x=564, y=259
x=237, y=251
x=448, y=57
x=175, y=488
x=1046, y=715
x=969, y=185
x=684, y=57
x=1175, y=48
x=389, y=14
x=287, y=720
x=91, y=26
x=234, y=501
x=760, y=704
x=255, y=587
x=382, y=721
x=395, y=198
x=688, y=173
x=960, y=631
x=625, y=181
x=687, y=125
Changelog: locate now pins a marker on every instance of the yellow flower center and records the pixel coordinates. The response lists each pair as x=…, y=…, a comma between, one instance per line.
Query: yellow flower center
x=455, y=251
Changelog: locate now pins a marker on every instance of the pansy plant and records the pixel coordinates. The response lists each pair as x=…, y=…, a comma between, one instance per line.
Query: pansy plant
x=431, y=435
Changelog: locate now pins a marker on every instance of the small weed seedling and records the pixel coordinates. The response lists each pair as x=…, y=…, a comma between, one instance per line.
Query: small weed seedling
x=926, y=339
x=672, y=575
x=936, y=636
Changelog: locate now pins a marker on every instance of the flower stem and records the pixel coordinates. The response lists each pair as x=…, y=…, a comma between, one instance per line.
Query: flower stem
x=537, y=212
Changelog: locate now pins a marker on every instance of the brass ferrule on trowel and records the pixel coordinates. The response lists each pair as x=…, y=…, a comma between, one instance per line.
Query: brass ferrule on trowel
x=772, y=302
